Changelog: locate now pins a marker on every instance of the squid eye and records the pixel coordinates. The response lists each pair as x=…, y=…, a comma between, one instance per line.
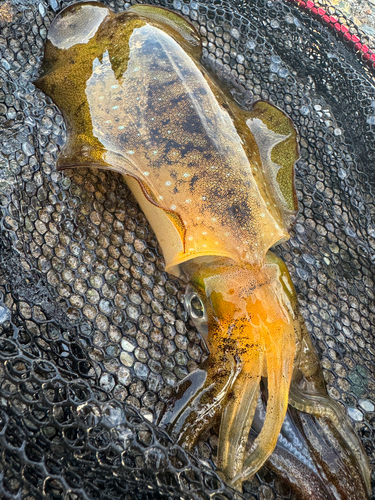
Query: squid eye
x=197, y=311
x=196, y=307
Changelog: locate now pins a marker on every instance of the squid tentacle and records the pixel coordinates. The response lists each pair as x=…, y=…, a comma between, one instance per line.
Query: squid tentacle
x=237, y=418
x=280, y=359
x=322, y=406
x=314, y=400
x=188, y=421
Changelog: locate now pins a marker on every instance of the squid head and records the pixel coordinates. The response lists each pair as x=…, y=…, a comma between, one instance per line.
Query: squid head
x=216, y=183
x=251, y=332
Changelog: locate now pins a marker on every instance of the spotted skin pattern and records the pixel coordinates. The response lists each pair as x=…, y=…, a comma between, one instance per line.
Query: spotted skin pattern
x=217, y=185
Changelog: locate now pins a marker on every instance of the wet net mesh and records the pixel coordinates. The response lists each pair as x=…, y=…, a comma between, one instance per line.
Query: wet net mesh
x=93, y=333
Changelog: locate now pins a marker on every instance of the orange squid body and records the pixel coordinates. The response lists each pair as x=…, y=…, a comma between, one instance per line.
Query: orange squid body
x=216, y=183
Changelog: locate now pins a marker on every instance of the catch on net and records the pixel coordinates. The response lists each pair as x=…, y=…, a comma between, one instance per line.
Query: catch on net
x=216, y=183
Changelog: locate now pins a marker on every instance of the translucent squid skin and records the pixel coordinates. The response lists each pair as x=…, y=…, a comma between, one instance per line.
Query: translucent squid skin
x=216, y=183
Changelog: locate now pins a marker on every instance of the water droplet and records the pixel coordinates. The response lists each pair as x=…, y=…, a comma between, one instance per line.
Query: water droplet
x=127, y=346
x=342, y=173
x=367, y=405
x=274, y=68
x=355, y=414
x=28, y=149
x=126, y=359
x=283, y=73
x=5, y=64
x=251, y=44
x=4, y=314
x=42, y=10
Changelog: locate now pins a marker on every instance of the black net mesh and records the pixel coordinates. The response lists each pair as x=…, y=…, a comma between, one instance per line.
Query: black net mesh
x=93, y=333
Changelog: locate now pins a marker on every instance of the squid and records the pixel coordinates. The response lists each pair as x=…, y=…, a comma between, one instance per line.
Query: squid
x=216, y=183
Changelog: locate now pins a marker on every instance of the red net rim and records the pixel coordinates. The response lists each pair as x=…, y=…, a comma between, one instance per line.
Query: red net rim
x=363, y=51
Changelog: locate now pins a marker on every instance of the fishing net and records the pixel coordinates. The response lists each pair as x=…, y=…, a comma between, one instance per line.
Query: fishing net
x=93, y=333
